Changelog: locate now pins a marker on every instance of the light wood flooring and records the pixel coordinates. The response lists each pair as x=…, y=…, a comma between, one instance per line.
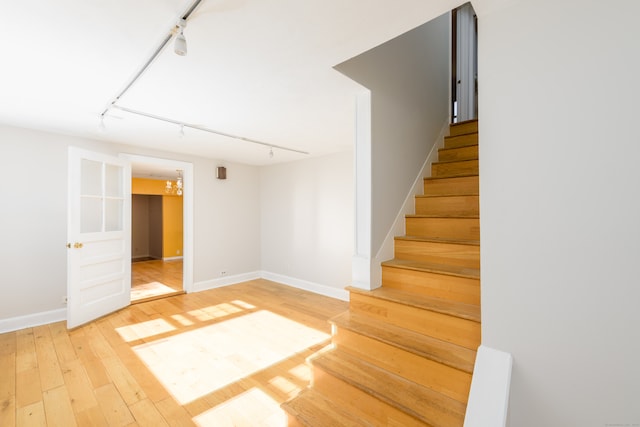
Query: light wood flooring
x=224, y=357
x=155, y=278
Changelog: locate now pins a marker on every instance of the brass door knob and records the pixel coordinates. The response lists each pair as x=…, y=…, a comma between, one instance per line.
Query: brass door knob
x=77, y=245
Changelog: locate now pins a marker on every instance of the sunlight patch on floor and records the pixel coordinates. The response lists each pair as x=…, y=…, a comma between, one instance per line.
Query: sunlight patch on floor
x=148, y=290
x=252, y=408
x=195, y=363
x=144, y=329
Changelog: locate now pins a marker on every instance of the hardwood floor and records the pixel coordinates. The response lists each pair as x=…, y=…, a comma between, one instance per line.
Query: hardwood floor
x=155, y=278
x=224, y=357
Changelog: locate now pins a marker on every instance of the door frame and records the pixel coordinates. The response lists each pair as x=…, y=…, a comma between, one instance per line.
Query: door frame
x=187, y=209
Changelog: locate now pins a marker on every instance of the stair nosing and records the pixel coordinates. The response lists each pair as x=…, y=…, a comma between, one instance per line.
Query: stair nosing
x=448, y=162
x=451, y=177
x=434, y=344
x=456, y=148
x=443, y=216
x=433, y=304
x=470, y=273
x=467, y=242
x=428, y=196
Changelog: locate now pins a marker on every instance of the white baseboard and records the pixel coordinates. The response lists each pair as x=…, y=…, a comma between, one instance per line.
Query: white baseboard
x=317, y=288
x=16, y=323
x=172, y=258
x=225, y=281
x=31, y=320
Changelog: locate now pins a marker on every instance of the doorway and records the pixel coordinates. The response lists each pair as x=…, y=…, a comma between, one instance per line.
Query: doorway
x=156, y=241
x=161, y=232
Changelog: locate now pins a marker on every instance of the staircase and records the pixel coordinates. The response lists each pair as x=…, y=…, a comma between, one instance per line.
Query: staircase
x=403, y=354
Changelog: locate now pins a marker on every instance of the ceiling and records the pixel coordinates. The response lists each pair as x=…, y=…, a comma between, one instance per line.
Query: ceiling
x=256, y=69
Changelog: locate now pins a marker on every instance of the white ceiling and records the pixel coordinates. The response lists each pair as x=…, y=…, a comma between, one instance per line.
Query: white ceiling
x=259, y=69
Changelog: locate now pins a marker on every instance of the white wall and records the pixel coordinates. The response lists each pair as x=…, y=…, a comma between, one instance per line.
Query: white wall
x=227, y=223
x=409, y=84
x=560, y=216
x=307, y=222
x=34, y=217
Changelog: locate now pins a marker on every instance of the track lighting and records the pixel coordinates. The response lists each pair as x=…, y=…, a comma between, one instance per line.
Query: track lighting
x=271, y=152
x=180, y=45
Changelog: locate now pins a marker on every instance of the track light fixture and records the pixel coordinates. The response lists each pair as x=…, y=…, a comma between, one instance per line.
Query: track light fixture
x=271, y=152
x=180, y=44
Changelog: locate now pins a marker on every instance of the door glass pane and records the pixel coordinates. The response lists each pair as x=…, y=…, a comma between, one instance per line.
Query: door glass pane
x=91, y=174
x=90, y=214
x=113, y=180
x=113, y=215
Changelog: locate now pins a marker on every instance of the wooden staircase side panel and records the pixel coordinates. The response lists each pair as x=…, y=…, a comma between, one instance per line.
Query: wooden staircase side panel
x=438, y=252
x=464, y=205
x=436, y=376
x=461, y=128
x=468, y=152
x=361, y=404
x=465, y=185
x=456, y=330
x=453, y=288
x=443, y=228
x=450, y=169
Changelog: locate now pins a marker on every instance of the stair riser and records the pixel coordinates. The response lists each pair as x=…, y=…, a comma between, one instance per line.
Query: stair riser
x=457, y=154
x=446, y=228
x=462, y=128
x=467, y=167
x=461, y=140
x=360, y=403
x=467, y=185
x=439, y=253
x=452, y=288
x=441, y=378
x=463, y=332
x=448, y=206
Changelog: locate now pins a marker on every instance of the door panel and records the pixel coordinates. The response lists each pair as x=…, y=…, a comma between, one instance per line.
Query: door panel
x=99, y=269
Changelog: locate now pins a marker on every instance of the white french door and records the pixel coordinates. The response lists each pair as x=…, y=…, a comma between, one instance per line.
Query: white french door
x=99, y=234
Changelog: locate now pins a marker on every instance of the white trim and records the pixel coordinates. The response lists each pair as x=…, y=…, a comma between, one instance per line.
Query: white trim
x=45, y=317
x=489, y=396
x=188, y=209
x=225, y=281
x=172, y=258
x=30, y=320
x=317, y=288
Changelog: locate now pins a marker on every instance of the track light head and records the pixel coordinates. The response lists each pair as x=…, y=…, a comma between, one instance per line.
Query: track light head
x=180, y=45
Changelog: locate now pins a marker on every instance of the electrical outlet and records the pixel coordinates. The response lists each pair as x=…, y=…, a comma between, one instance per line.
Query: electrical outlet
x=64, y=299
x=223, y=273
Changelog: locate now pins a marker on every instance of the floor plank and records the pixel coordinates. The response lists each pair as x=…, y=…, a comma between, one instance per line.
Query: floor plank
x=228, y=356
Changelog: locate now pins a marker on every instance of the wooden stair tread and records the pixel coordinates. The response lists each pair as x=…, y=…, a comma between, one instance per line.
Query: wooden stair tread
x=442, y=216
x=446, y=269
x=418, y=401
x=455, y=161
x=442, y=196
x=438, y=305
x=428, y=347
x=440, y=240
x=434, y=178
x=312, y=409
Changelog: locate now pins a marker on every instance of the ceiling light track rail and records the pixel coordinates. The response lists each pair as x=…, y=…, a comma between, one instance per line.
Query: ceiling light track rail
x=151, y=59
x=205, y=129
